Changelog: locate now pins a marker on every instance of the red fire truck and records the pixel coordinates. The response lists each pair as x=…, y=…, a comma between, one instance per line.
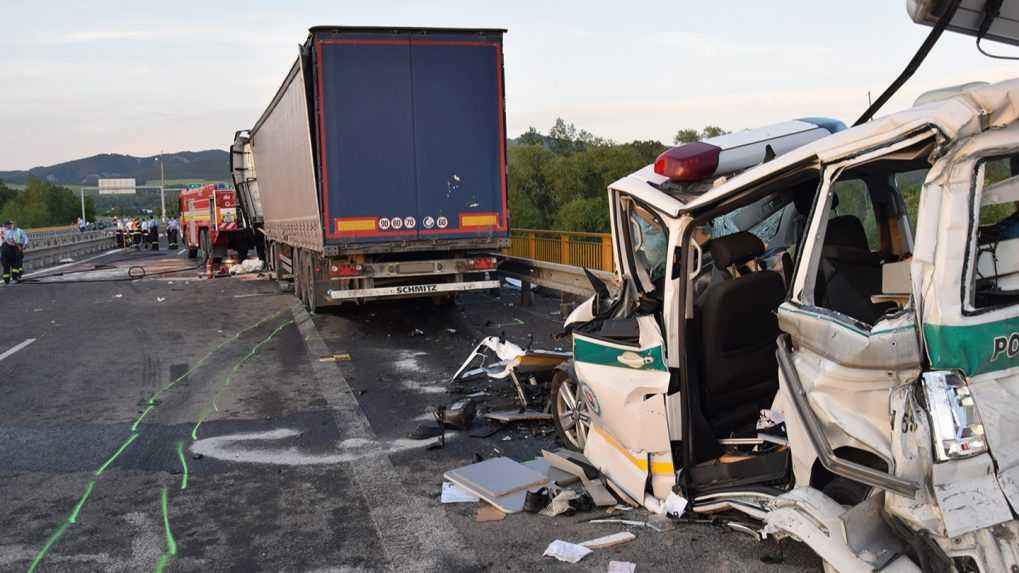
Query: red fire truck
x=210, y=225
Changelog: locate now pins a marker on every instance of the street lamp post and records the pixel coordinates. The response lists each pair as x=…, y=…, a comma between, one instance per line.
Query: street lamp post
x=82, y=190
x=162, y=188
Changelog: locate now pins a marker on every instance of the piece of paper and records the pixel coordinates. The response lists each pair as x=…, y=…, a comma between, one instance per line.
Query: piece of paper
x=675, y=505
x=566, y=551
x=452, y=493
x=609, y=540
x=622, y=567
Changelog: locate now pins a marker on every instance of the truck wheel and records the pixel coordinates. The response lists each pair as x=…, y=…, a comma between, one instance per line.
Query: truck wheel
x=310, y=297
x=205, y=249
x=569, y=411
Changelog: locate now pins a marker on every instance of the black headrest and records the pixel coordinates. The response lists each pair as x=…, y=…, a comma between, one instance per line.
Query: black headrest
x=735, y=249
x=846, y=231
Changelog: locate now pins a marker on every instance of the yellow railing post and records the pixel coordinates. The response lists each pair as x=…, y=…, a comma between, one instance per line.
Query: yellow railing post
x=532, y=246
x=606, y=253
x=564, y=249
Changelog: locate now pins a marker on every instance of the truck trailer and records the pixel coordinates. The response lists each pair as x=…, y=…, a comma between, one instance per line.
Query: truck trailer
x=378, y=170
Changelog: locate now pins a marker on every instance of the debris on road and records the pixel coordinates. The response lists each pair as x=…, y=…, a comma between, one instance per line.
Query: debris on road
x=247, y=266
x=622, y=567
x=488, y=512
x=609, y=540
x=566, y=551
x=630, y=522
x=508, y=416
x=452, y=493
x=459, y=415
x=500, y=481
x=335, y=358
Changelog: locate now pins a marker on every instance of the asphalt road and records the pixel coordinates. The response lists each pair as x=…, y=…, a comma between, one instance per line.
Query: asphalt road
x=188, y=423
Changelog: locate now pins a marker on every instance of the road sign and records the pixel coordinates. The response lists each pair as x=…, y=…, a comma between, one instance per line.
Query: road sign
x=117, y=186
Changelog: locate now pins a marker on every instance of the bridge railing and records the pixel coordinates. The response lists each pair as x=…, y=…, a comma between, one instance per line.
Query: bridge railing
x=588, y=250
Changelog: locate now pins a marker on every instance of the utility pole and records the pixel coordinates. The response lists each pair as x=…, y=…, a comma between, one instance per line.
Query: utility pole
x=82, y=190
x=162, y=188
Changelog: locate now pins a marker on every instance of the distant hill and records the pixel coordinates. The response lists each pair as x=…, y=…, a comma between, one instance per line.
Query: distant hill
x=212, y=164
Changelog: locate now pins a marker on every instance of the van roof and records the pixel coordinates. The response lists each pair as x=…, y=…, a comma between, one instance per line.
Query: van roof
x=966, y=114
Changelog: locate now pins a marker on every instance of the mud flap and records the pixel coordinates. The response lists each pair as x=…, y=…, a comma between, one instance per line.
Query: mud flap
x=850, y=540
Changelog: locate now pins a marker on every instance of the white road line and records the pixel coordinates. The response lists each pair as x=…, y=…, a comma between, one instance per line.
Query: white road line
x=16, y=348
x=415, y=534
x=65, y=265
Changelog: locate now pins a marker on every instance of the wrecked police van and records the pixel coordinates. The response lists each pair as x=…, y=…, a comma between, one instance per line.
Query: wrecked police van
x=825, y=346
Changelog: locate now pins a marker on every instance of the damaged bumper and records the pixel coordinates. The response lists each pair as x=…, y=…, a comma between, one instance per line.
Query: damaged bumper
x=411, y=290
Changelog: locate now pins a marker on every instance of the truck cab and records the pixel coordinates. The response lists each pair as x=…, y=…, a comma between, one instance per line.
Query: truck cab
x=820, y=347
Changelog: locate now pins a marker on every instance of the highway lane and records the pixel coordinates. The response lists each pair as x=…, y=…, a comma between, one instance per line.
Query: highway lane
x=299, y=465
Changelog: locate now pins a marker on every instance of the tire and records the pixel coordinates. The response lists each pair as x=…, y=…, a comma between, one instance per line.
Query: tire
x=310, y=297
x=569, y=411
x=297, y=266
x=204, y=248
x=845, y=491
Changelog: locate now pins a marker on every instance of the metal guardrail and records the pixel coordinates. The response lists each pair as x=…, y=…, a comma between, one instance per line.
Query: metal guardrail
x=41, y=257
x=588, y=250
x=55, y=239
x=563, y=278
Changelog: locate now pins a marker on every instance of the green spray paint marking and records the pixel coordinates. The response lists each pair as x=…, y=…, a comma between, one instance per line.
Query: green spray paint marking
x=183, y=463
x=230, y=375
x=138, y=420
x=151, y=404
x=49, y=543
x=81, y=502
x=209, y=354
x=171, y=545
x=119, y=451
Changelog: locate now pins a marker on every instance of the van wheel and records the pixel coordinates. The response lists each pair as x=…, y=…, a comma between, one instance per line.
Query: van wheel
x=569, y=411
x=846, y=492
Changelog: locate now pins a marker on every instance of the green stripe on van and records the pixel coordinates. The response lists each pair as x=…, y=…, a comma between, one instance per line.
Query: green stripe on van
x=594, y=353
x=974, y=349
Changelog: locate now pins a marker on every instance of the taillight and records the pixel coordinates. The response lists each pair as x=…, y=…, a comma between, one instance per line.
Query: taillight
x=957, y=429
x=482, y=264
x=690, y=162
x=344, y=270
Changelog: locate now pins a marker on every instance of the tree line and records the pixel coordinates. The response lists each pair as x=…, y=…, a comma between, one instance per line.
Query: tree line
x=42, y=204
x=559, y=180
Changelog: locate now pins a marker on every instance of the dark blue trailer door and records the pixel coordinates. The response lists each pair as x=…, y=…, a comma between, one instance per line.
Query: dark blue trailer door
x=458, y=137
x=411, y=139
x=366, y=138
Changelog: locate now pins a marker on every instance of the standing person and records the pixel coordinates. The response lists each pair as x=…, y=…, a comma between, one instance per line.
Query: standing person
x=13, y=251
x=145, y=233
x=136, y=233
x=154, y=233
x=81, y=225
x=172, y=233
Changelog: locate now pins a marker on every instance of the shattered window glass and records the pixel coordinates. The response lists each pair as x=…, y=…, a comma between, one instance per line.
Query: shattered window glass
x=650, y=243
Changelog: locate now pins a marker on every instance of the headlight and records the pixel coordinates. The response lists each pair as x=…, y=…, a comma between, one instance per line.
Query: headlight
x=955, y=423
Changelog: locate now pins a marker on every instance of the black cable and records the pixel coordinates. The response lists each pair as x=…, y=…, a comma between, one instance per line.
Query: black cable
x=134, y=272
x=992, y=9
x=913, y=64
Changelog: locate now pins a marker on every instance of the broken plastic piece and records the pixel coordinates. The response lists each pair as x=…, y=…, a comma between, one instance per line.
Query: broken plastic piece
x=500, y=481
x=459, y=414
x=622, y=567
x=566, y=551
x=609, y=540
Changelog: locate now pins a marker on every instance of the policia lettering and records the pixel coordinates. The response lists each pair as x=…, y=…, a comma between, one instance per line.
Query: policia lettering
x=1007, y=345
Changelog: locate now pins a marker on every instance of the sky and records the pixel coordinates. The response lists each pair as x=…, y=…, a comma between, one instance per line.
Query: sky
x=81, y=78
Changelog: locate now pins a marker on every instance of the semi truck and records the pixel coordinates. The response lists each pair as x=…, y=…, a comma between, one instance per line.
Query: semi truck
x=378, y=170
